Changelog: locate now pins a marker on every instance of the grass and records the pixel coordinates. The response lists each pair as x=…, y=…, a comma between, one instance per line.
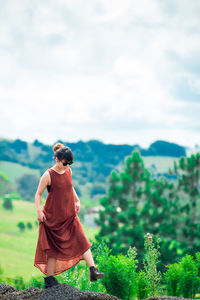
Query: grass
x=15, y=171
x=17, y=249
x=162, y=163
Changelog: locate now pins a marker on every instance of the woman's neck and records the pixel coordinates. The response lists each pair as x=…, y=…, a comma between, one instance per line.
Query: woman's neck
x=58, y=169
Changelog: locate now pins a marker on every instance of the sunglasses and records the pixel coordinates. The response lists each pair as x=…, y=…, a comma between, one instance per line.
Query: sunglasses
x=67, y=163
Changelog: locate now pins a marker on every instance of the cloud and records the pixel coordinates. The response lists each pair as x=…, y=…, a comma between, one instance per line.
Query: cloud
x=113, y=70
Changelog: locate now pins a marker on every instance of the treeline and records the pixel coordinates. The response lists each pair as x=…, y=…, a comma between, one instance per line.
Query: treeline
x=92, y=155
x=136, y=204
x=91, y=151
x=93, y=163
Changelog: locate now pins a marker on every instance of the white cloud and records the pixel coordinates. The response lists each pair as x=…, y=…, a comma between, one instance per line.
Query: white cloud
x=99, y=69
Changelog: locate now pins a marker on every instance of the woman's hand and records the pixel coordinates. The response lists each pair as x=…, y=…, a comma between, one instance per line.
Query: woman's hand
x=77, y=205
x=41, y=216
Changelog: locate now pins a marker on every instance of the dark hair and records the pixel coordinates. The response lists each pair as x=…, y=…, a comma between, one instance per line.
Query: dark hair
x=63, y=152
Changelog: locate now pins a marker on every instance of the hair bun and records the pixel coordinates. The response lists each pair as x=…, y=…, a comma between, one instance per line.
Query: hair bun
x=57, y=147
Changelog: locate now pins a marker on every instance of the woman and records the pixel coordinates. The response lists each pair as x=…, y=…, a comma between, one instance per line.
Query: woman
x=62, y=242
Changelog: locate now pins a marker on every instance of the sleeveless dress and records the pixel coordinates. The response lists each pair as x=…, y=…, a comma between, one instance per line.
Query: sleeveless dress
x=60, y=236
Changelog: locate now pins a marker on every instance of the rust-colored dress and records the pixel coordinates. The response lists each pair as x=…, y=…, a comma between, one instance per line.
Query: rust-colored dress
x=60, y=236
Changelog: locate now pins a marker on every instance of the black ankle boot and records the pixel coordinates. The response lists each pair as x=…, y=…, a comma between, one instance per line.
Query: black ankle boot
x=50, y=281
x=95, y=274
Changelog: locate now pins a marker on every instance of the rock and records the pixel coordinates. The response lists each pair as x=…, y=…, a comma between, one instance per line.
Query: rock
x=62, y=291
x=11, y=293
x=59, y=292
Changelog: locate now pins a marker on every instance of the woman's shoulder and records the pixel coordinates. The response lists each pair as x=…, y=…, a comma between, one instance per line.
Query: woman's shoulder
x=45, y=178
x=46, y=174
x=48, y=171
x=70, y=170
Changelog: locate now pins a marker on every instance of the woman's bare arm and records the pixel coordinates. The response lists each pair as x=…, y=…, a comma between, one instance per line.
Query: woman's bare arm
x=44, y=181
x=76, y=196
x=77, y=201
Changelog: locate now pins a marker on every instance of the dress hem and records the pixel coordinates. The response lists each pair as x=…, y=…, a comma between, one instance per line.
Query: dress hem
x=62, y=259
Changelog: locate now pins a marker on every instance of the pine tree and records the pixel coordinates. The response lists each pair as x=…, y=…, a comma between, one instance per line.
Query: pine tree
x=160, y=216
x=188, y=172
x=120, y=221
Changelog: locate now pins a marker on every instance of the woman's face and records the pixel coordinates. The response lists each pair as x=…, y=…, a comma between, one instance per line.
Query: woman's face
x=60, y=164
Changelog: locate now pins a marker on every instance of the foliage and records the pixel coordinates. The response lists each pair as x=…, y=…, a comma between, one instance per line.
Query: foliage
x=188, y=190
x=150, y=263
x=159, y=215
x=14, y=196
x=21, y=226
x=120, y=221
x=36, y=281
x=94, y=159
x=17, y=282
x=137, y=203
x=172, y=278
x=189, y=280
x=120, y=272
x=7, y=202
x=29, y=225
x=142, y=285
x=165, y=148
x=27, y=186
x=182, y=278
x=79, y=277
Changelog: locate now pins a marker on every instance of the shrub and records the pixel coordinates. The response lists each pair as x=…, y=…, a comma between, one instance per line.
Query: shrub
x=189, y=280
x=29, y=225
x=36, y=282
x=197, y=255
x=172, y=278
x=7, y=202
x=78, y=277
x=182, y=278
x=17, y=282
x=142, y=288
x=120, y=272
x=21, y=226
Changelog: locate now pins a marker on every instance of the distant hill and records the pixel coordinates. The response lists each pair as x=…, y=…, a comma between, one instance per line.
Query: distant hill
x=38, y=155
x=94, y=157
x=93, y=161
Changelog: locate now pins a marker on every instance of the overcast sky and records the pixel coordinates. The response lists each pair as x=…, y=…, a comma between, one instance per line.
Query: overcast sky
x=118, y=71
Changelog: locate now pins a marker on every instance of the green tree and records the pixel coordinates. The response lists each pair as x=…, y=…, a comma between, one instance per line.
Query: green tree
x=160, y=215
x=188, y=191
x=27, y=185
x=21, y=226
x=120, y=221
x=29, y=225
x=7, y=202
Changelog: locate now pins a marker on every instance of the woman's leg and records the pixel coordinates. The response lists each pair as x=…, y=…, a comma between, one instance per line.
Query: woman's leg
x=94, y=272
x=51, y=266
x=88, y=258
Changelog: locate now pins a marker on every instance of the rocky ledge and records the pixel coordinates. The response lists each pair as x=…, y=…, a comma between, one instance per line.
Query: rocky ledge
x=61, y=291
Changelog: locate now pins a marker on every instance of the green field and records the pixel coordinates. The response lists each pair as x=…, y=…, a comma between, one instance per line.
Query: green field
x=15, y=171
x=162, y=163
x=17, y=249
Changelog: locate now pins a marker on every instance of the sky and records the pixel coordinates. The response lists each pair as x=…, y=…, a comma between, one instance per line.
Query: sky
x=122, y=72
